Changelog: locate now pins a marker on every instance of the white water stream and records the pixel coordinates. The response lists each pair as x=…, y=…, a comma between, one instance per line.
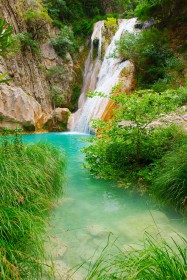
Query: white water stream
x=100, y=76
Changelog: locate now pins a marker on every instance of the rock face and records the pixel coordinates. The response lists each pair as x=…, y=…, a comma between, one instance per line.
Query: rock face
x=128, y=82
x=29, y=71
x=17, y=109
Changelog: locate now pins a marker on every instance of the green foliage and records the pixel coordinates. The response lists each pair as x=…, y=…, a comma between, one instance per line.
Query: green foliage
x=155, y=63
x=37, y=22
x=129, y=7
x=6, y=39
x=80, y=14
x=76, y=93
x=69, y=10
x=6, y=43
x=161, y=10
x=83, y=27
x=55, y=73
x=64, y=42
x=2, y=78
x=156, y=260
x=31, y=176
x=57, y=97
x=111, y=23
x=170, y=182
x=27, y=43
x=128, y=147
x=57, y=9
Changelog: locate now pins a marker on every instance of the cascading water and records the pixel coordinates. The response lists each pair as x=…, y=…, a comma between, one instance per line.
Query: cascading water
x=100, y=76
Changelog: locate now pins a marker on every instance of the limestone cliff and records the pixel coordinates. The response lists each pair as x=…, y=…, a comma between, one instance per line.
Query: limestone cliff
x=29, y=72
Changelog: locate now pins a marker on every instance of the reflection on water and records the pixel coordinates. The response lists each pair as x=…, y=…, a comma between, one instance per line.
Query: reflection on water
x=91, y=209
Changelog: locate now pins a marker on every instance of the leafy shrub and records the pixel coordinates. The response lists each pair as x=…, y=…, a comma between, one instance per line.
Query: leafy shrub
x=111, y=23
x=57, y=9
x=6, y=39
x=56, y=73
x=161, y=10
x=83, y=27
x=26, y=43
x=64, y=42
x=153, y=60
x=31, y=176
x=80, y=14
x=6, y=44
x=37, y=21
x=129, y=151
x=57, y=96
x=170, y=183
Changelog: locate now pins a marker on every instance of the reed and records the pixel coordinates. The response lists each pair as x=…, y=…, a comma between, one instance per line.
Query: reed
x=156, y=260
x=170, y=182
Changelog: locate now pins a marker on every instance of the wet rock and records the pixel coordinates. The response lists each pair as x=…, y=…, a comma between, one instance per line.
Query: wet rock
x=179, y=117
x=145, y=25
x=139, y=25
x=97, y=231
x=148, y=24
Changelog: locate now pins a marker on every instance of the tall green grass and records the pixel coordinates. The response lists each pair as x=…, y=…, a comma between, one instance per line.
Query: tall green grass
x=170, y=182
x=156, y=260
x=31, y=177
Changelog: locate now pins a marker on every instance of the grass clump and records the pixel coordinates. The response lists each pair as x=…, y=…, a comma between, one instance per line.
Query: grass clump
x=31, y=176
x=170, y=183
x=156, y=260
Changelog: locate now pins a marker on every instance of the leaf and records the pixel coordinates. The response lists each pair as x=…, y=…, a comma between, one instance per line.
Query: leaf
x=2, y=76
x=128, y=142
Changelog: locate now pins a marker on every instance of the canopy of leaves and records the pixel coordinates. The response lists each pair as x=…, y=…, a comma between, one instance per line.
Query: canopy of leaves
x=81, y=14
x=162, y=10
x=64, y=42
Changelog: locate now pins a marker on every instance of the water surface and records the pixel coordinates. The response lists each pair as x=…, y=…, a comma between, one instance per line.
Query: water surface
x=91, y=209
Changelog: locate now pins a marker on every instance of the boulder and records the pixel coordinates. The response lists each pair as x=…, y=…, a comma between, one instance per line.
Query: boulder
x=17, y=109
x=58, y=120
x=145, y=25
x=139, y=25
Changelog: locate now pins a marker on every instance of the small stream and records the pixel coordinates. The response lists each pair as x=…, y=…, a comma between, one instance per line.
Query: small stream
x=90, y=209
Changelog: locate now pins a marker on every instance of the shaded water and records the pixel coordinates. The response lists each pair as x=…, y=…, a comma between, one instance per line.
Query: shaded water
x=91, y=209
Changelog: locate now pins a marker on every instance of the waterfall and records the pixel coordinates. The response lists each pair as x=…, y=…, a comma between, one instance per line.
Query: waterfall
x=99, y=76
